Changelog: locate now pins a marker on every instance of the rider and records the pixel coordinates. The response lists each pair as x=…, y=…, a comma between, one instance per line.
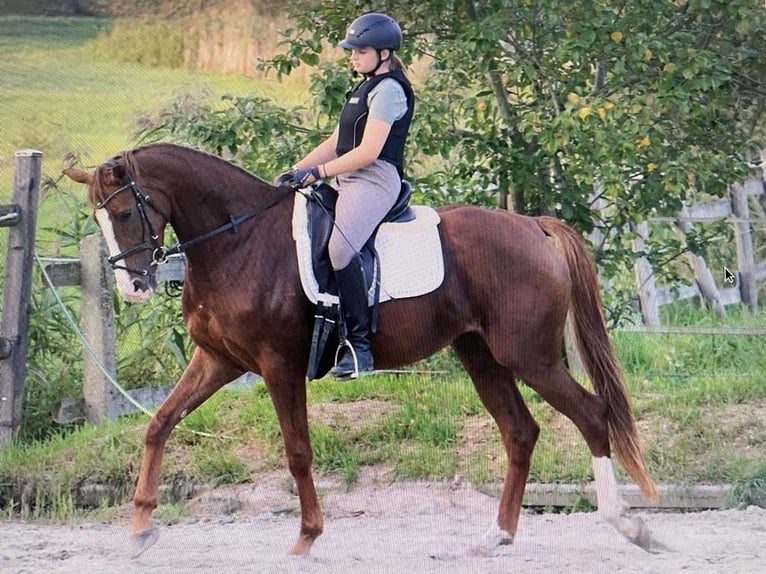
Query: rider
x=365, y=153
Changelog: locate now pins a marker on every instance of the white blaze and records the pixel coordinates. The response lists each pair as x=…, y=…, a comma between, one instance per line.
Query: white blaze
x=121, y=277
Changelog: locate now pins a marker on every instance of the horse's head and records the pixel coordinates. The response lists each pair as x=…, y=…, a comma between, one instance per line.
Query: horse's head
x=132, y=224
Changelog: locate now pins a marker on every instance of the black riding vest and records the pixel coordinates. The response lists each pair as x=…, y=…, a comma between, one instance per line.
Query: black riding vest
x=353, y=119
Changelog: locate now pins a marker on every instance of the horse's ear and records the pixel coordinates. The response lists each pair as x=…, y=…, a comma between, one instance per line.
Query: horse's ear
x=113, y=174
x=79, y=175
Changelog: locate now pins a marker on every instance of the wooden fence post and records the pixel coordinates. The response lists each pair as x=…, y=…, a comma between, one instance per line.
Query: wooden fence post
x=18, y=291
x=101, y=399
x=647, y=288
x=98, y=327
x=702, y=274
x=748, y=286
x=574, y=360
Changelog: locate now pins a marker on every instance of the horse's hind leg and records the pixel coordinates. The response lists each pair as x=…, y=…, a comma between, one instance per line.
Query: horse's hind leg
x=203, y=376
x=589, y=413
x=519, y=431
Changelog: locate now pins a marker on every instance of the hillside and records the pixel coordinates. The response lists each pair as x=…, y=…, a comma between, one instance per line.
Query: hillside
x=128, y=8
x=219, y=36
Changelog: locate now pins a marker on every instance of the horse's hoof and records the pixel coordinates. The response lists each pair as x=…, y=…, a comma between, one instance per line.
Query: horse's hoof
x=143, y=541
x=635, y=530
x=639, y=534
x=492, y=539
x=642, y=537
x=302, y=546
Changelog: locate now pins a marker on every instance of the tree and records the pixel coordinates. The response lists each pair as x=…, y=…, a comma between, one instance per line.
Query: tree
x=642, y=105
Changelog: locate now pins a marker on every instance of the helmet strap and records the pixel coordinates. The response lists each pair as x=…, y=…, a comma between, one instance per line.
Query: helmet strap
x=371, y=73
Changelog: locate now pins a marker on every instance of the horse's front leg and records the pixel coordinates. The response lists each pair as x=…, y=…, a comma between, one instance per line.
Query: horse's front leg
x=288, y=394
x=204, y=375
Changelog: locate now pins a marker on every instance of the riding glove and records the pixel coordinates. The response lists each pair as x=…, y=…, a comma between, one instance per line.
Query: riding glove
x=285, y=177
x=305, y=177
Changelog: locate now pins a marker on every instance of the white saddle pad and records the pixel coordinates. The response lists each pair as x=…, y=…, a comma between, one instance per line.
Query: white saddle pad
x=411, y=261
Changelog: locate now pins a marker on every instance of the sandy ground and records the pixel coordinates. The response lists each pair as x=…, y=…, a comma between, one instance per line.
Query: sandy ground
x=423, y=528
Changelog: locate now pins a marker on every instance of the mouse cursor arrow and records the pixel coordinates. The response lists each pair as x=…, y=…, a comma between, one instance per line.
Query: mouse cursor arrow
x=728, y=276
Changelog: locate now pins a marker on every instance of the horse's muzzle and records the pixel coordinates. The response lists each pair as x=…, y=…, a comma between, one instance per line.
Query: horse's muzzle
x=145, y=283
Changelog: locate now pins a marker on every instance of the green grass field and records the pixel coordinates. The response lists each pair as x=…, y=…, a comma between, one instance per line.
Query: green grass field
x=700, y=401
x=58, y=95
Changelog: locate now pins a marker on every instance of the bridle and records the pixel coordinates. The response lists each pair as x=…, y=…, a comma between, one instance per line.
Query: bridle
x=142, y=202
x=160, y=253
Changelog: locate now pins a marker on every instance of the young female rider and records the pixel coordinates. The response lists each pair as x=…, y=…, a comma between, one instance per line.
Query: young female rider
x=365, y=155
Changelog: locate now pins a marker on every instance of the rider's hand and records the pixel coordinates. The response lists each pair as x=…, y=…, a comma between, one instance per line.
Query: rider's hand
x=305, y=177
x=285, y=177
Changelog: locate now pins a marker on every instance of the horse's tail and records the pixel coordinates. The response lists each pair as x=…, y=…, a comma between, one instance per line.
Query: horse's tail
x=597, y=354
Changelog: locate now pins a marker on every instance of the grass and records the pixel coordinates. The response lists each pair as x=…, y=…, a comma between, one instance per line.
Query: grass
x=62, y=97
x=699, y=401
x=707, y=427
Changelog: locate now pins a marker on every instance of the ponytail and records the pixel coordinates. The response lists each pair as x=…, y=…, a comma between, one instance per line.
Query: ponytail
x=395, y=63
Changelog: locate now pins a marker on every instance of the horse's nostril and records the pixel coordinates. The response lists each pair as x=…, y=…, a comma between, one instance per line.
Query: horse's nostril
x=139, y=285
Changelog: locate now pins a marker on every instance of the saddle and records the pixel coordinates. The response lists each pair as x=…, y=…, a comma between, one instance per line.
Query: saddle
x=320, y=216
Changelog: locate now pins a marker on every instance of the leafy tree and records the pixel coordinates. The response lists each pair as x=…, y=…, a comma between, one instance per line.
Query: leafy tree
x=635, y=106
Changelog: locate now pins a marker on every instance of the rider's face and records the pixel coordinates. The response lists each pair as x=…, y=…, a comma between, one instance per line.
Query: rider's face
x=364, y=60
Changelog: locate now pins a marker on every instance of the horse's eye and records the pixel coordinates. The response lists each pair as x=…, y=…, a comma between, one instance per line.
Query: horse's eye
x=123, y=216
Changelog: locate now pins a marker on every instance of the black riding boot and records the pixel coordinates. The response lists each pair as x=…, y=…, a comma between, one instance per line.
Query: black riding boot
x=356, y=356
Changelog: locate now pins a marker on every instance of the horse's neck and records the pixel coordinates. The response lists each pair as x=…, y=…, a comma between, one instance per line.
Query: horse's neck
x=201, y=204
x=204, y=193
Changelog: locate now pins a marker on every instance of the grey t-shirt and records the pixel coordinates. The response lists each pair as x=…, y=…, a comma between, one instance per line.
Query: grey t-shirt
x=387, y=101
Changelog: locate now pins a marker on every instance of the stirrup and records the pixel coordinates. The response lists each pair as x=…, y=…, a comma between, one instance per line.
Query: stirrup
x=356, y=372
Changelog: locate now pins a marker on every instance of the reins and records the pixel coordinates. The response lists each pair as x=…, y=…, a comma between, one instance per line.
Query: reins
x=161, y=254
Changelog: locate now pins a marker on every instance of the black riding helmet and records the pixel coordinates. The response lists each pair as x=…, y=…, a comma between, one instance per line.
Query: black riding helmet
x=373, y=30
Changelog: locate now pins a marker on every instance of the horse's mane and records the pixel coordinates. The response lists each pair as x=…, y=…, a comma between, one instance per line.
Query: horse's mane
x=132, y=167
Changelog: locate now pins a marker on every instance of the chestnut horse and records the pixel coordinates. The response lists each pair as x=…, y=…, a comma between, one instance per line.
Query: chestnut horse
x=509, y=283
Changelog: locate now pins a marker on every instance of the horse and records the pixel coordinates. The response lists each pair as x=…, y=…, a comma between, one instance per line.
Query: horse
x=509, y=283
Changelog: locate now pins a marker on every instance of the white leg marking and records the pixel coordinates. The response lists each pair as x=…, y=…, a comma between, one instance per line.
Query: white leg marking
x=610, y=503
x=121, y=277
x=613, y=508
